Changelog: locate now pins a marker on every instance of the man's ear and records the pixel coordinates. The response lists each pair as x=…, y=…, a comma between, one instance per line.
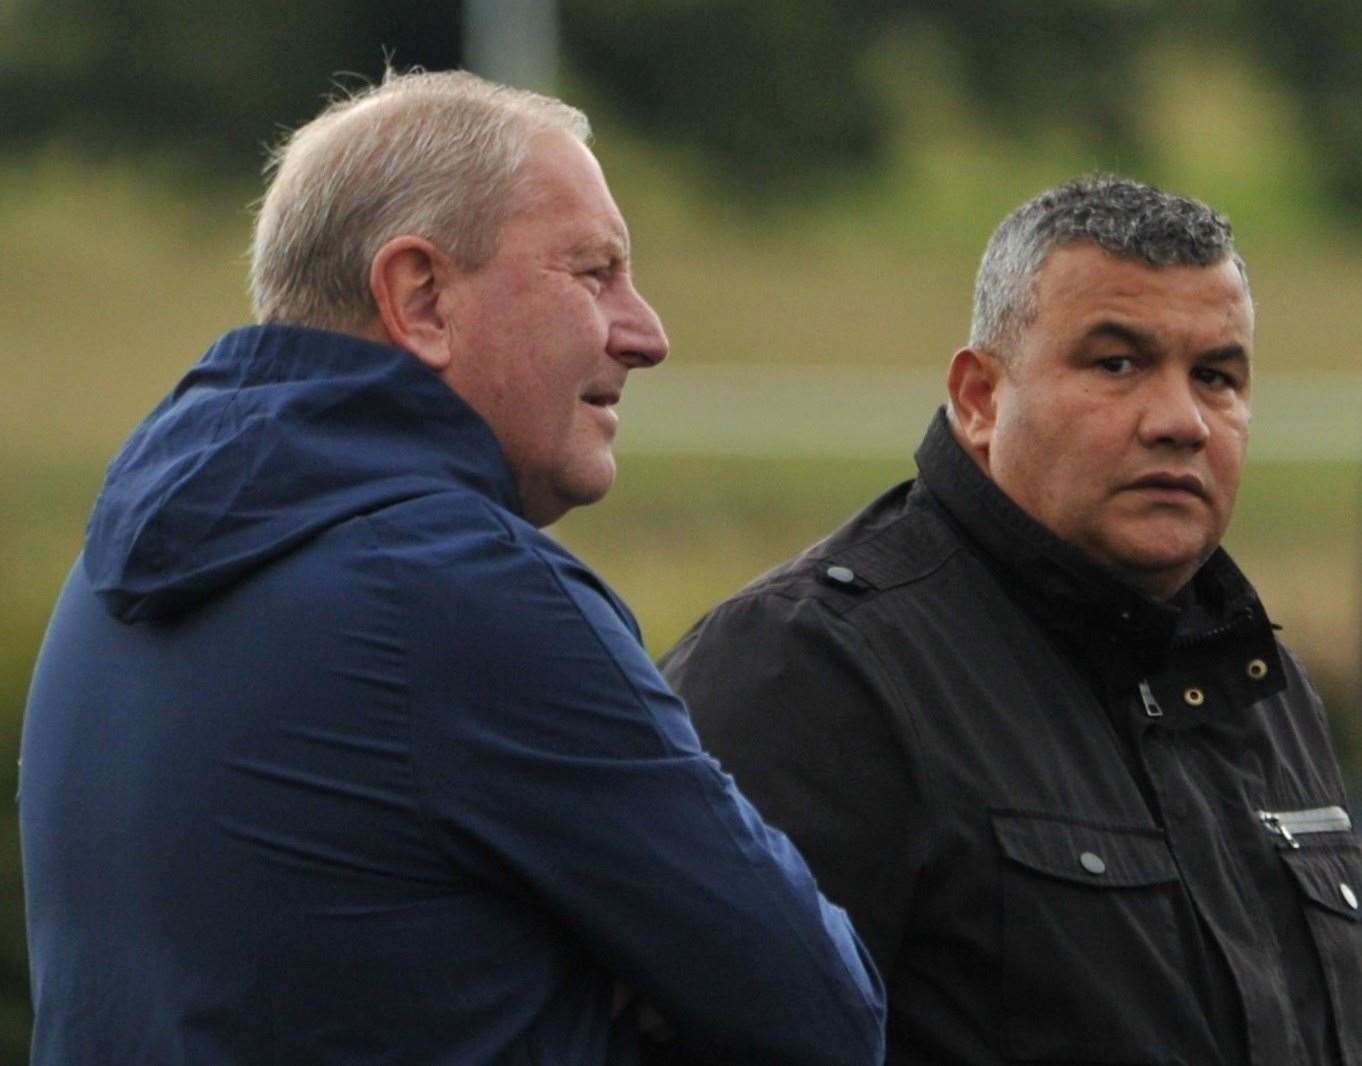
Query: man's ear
x=406, y=277
x=972, y=383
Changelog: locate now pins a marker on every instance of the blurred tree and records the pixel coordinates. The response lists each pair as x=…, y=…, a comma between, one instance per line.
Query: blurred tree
x=777, y=95
x=1024, y=63
x=215, y=82
x=774, y=89
x=1315, y=47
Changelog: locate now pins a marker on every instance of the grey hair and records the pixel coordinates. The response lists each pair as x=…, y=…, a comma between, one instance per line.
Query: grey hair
x=1125, y=218
x=437, y=155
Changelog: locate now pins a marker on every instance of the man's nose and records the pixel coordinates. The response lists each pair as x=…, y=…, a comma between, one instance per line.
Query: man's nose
x=1174, y=414
x=637, y=338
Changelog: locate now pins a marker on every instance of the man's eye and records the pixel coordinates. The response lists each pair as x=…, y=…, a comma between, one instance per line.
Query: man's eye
x=1116, y=364
x=1216, y=379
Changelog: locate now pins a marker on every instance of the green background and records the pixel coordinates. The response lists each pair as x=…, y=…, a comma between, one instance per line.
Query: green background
x=118, y=269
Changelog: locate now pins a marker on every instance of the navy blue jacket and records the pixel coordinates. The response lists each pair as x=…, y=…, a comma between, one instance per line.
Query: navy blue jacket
x=330, y=757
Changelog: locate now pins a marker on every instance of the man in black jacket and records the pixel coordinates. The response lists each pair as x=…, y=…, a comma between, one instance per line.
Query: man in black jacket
x=1024, y=716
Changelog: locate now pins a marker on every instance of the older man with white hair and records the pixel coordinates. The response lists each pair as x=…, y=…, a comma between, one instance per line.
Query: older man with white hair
x=331, y=755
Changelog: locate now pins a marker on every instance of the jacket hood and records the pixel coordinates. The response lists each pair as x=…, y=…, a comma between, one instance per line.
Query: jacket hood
x=276, y=434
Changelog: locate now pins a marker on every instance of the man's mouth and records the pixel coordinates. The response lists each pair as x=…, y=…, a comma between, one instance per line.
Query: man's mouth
x=1189, y=484
x=602, y=398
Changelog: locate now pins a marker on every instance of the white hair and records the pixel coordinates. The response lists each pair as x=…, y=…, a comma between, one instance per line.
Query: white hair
x=431, y=154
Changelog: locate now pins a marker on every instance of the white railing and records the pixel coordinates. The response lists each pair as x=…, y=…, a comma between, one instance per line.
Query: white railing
x=875, y=411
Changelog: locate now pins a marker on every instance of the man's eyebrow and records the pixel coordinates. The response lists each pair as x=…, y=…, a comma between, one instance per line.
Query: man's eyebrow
x=615, y=245
x=1145, y=342
x=1138, y=339
x=1226, y=354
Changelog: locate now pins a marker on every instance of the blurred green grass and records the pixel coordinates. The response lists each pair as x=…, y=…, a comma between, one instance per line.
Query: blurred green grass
x=115, y=279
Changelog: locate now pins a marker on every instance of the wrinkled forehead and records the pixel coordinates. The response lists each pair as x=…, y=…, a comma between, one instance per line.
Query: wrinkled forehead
x=1080, y=272
x=562, y=183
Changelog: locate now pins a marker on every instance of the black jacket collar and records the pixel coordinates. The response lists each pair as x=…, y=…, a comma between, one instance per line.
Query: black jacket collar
x=1070, y=592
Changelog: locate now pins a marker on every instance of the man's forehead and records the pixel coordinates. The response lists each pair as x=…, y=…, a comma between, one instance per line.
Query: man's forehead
x=563, y=186
x=1088, y=256
x=1084, y=271
x=582, y=234
x=1083, y=295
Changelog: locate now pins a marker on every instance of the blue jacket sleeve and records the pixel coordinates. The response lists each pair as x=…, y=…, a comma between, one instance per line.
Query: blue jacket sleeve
x=547, y=740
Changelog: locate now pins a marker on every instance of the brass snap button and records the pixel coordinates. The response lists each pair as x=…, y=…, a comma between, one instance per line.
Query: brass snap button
x=1193, y=697
x=1257, y=669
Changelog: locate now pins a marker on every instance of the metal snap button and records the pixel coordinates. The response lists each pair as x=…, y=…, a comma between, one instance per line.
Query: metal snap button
x=1092, y=862
x=1349, y=896
x=843, y=575
x=1257, y=669
x=1193, y=697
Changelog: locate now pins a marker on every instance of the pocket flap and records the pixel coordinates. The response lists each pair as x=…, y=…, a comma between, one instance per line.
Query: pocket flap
x=1101, y=856
x=1330, y=876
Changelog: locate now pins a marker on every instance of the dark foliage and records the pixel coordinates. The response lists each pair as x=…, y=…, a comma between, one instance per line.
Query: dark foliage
x=774, y=92
x=214, y=84
x=776, y=96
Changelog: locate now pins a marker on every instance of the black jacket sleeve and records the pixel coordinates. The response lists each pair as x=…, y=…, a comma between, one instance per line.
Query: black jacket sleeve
x=795, y=705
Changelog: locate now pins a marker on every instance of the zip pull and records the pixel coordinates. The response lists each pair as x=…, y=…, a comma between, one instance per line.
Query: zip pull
x=1151, y=705
x=1290, y=825
x=1274, y=825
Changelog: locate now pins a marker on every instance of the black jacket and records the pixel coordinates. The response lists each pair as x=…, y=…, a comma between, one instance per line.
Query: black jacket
x=1072, y=824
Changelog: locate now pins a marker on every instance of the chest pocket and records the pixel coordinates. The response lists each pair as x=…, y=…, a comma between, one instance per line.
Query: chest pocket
x=1092, y=926
x=1329, y=876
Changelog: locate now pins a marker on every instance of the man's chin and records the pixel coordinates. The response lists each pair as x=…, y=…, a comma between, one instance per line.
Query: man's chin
x=597, y=480
x=582, y=486
x=1159, y=574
